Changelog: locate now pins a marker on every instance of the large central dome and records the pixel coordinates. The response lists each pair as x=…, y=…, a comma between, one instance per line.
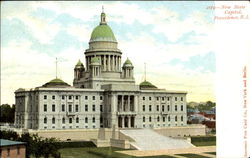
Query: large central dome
x=103, y=32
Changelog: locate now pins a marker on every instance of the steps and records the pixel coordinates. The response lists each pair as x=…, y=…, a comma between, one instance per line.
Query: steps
x=147, y=139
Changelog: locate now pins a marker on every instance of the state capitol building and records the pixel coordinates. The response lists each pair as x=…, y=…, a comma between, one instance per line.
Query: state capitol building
x=103, y=95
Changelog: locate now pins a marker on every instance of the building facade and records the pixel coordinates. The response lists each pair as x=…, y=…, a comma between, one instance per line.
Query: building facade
x=12, y=149
x=103, y=95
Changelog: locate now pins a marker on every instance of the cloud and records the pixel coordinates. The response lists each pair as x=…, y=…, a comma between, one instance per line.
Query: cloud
x=35, y=33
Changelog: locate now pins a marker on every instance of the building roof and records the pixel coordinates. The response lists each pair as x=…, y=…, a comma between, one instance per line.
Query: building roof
x=103, y=32
x=147, y=85
x=56, y=83
x=5, y=142
x=79, y=64
x=127, y=63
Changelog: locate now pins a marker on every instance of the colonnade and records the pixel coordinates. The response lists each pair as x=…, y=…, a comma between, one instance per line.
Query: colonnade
x=126, y=103
x=108, y=62
x=126, y=121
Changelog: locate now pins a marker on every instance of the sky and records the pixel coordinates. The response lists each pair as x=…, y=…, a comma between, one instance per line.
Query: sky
x=174, y=39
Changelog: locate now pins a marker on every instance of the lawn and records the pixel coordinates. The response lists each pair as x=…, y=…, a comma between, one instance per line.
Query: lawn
x=106, y=152
x=209, y=143
x=192, y=156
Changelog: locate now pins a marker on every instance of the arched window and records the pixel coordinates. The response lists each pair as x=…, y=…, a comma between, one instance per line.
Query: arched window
x=175, y=118
x=63, y=120
x=158, y=119
x=143, y=119
x=86, y=120
x=163, y=119
x=77, y=120
x=168, y=118
x=93, y=119
x=150, y=119
x=45, y=120
x=53, y=120
x=181, y=118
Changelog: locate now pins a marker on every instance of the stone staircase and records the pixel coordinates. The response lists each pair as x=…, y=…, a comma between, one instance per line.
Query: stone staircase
x=147, y=139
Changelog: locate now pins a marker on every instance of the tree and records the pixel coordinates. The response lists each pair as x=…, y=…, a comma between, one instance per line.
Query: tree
x=7, y=114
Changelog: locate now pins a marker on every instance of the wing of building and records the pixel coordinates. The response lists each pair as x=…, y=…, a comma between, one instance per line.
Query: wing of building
x=103, y=95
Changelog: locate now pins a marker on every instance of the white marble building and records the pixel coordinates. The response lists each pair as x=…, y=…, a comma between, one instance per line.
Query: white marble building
x=103, y=95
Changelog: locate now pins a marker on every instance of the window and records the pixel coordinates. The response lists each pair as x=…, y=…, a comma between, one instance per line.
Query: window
x=45, y=107
x=175, y=107
x=143, y=119
x=77, y=120
x=157, y=98
x=45, y=120
x=168, y=118
x=76, y=97
x=93, y=119
x=53, y=107
x=8, y=152
x=101, y=108
x=163, y=119
x=53, y=120
x=70, y=120
x=143, y=108
x=181, y=118
x=143, y=98
x=86, y=107
x=70, y=97
x=63, y=97
x=45, y=97
x=181, y=98
x=168, y=108
x=158, y=119
x=100, y=97
x=162, y=98
x=150, y=107
x=168, y=98
x=70, y=108
x=53, y=97
x=63, y=120
x=175, y=98
x=63, y=107
x=149, y=98
x=86, y=120
x=76, y=108
x=86, y=97
x=93, y=97
x=175, y=118
x=157, y=108
x=162, y=108
x=18, y=150
x=150, y=119
x=93, y=108
x=181, y=107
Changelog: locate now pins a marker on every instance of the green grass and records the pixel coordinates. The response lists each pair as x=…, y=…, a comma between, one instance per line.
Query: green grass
x=192, y=156
x=212, y=153
x=105, y=152
x=209, y=143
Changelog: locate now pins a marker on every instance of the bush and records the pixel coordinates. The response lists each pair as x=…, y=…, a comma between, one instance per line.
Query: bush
x=76, y=144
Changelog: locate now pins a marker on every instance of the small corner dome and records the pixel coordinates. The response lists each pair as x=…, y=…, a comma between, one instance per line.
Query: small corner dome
x=56, y=83
x=127, y=63
x=147, y=85
x=79, y=64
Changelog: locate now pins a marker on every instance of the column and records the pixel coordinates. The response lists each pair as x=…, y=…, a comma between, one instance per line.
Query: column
x=128, y=102
x=135, y=103
x=104, y=63
x=122, y=118
x=108, y=63
x=129, y=122
x=122, y=104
